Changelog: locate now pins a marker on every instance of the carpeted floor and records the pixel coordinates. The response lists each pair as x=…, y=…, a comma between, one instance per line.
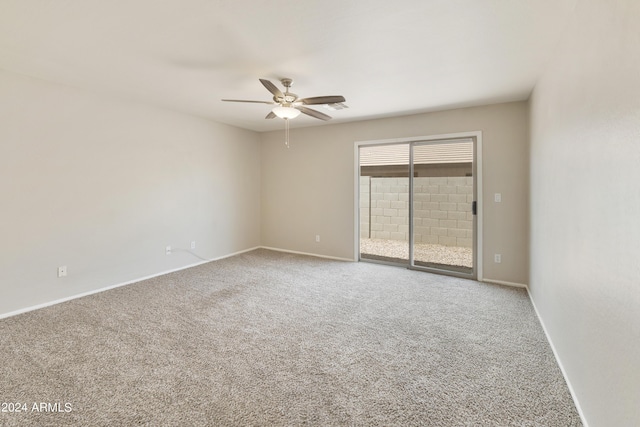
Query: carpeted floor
x=268, y=338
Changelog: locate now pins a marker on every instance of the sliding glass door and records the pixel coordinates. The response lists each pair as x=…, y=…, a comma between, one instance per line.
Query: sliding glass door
x=417, y=204
x=384, y=203
x=442, y=206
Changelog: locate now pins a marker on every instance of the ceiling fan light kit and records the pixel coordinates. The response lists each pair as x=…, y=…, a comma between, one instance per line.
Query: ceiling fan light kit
x=289, y=106
x=286, y=112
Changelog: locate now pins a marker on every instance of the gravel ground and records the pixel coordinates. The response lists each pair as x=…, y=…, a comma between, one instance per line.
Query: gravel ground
x=449, y=255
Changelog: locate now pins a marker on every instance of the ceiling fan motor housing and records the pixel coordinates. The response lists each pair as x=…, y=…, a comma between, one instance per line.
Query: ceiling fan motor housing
x=287, y=98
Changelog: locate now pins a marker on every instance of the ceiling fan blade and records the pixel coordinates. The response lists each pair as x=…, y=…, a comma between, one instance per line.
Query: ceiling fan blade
x=245, y=100
x=316, y=100
x=271, y=115
x=272, y=88
x=314, y=113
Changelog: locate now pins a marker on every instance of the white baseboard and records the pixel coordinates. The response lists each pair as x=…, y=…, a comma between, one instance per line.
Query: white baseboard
x=129, y=282
x=307, y=254
x=234, y=254
x=505, y=283
x=555, y=354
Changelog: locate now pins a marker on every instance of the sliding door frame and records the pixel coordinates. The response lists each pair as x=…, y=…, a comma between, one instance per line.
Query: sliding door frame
x=477, y=135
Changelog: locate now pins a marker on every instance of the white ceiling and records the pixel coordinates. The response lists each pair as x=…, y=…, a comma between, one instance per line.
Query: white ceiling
x=386, y=57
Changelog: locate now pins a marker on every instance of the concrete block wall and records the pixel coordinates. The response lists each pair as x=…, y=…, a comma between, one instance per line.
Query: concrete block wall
x=442, y=209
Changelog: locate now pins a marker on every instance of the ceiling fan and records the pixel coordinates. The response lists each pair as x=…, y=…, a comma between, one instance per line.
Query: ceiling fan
x=289, y=105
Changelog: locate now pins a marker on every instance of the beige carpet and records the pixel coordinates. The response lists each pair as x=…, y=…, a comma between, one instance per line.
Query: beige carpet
x=267, y=338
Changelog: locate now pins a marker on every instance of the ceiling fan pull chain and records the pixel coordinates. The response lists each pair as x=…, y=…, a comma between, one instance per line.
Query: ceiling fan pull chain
x=286, y=133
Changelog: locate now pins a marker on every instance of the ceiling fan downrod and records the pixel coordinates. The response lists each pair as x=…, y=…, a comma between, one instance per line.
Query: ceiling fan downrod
x=287, y=83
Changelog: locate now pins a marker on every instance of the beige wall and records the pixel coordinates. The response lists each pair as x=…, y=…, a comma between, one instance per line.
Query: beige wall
x=318, y=171
x=102, y=186
x=585, y=208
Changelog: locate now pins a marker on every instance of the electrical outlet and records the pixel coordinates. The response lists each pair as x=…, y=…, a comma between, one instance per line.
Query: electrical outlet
x=497, y=258
x=167, y=250
x=62, y=271
x=317, y=238
x=193, y=245
x=497, y=197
